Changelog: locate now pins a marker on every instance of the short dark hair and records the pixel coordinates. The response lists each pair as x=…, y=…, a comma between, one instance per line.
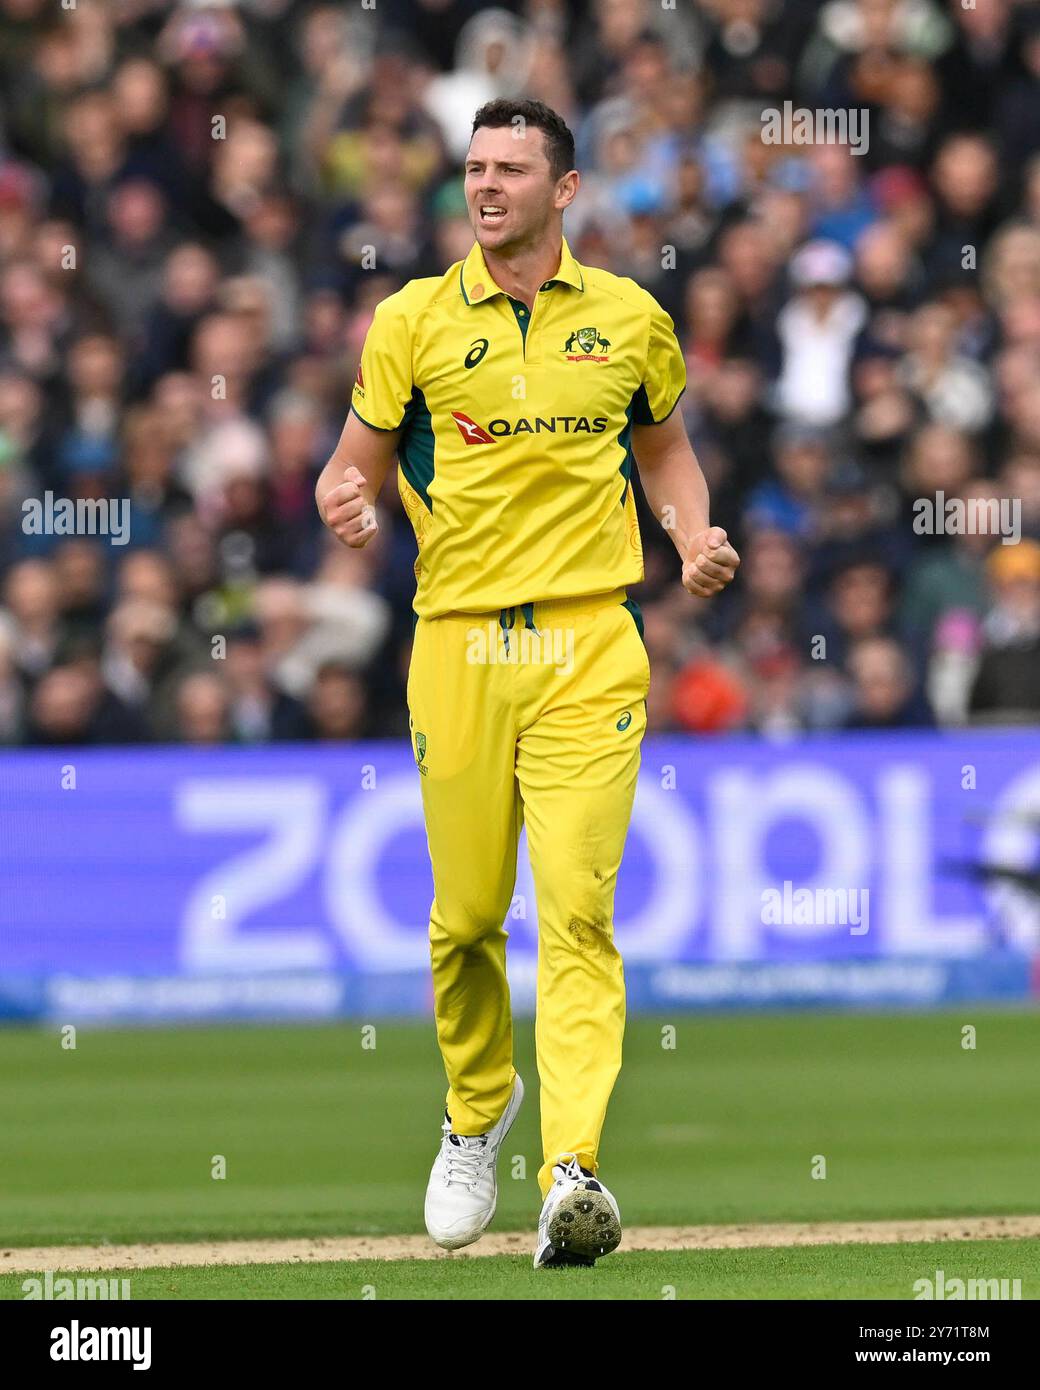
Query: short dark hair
x=559, y=142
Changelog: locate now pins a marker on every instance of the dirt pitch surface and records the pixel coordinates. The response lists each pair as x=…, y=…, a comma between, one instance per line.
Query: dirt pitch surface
x=306, y=1250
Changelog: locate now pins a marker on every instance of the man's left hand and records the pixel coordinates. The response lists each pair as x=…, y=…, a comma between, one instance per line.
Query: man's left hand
x=712, y=564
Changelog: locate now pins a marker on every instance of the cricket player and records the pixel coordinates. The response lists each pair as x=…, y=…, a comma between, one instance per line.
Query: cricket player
x=516, y=390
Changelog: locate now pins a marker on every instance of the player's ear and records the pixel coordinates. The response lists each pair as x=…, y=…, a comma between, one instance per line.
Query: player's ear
x=567, y=189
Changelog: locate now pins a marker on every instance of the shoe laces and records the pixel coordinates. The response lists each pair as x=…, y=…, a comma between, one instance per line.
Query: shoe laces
x=465, y=1157
x=569, y=1171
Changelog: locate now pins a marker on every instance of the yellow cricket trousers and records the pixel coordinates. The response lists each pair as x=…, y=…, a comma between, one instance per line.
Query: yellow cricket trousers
x=529, y=716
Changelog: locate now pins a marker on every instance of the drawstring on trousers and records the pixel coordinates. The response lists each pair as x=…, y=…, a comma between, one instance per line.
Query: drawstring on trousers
x=507, y=621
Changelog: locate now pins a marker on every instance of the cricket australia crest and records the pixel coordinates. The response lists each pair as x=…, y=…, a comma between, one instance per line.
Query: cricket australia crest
x=582, y=344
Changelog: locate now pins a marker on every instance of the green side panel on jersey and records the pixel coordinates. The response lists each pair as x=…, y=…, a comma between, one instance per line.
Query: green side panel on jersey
x=635, y=612
x=638, y=412
x=640, y=408
x=417, y=446
x=625, y=440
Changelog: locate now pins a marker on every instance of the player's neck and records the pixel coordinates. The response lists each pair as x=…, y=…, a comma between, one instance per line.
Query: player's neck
x=521, y=273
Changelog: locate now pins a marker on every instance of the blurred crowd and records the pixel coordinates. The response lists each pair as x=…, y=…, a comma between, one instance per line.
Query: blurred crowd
x=187, y=192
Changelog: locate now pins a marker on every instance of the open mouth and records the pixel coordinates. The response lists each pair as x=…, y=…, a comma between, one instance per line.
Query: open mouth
x=490, y=213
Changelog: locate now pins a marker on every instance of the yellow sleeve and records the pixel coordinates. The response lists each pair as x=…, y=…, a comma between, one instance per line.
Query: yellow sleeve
x=383, y=385
x=664, y=375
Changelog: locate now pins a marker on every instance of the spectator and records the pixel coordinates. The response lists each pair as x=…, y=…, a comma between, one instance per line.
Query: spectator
x=71, y=705
x=32, y=601
x=12, y=690
x=884, y=692
x=336, y=703
x=817, y=329
x=1007, y=686
x=259, y=712
x=952, y=389
x=202, y=709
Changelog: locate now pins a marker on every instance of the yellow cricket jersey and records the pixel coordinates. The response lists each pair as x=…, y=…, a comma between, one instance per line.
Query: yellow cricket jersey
x=515, y=455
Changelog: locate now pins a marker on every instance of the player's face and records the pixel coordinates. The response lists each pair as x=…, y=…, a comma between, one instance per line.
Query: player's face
x=509, y=172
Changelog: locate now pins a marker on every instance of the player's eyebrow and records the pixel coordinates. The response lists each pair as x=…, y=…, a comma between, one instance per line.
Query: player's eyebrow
x=502, y=163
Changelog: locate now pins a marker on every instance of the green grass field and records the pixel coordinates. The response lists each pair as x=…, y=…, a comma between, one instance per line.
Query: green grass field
x=114, y=1142
x=831, y=1271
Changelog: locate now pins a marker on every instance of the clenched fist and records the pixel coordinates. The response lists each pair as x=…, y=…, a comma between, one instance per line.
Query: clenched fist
x=346, y=513
x=712, y=564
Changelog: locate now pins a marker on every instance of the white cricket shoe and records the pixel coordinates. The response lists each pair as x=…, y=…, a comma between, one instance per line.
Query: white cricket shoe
x=580, y=1220
x=462, y=1192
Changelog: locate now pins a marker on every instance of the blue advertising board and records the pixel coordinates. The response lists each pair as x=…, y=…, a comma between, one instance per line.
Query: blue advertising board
x=293, y=881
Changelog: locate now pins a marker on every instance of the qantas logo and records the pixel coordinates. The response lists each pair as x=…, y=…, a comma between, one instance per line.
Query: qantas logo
x=470, y=430
x=473, y=433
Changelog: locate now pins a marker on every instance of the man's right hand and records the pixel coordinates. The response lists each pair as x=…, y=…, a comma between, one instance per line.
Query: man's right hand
x=346, y=513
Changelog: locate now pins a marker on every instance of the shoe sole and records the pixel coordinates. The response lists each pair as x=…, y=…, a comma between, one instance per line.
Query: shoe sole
x=584, y=1226
x=511, y=1112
